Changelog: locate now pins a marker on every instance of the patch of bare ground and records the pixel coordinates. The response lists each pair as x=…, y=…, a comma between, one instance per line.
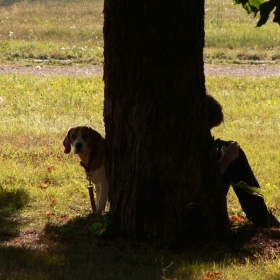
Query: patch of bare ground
x=250, y=240
x=246, y=70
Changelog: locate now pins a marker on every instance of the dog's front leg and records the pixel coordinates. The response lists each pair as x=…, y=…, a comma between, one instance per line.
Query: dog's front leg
x=97, y=192
x=102, y=201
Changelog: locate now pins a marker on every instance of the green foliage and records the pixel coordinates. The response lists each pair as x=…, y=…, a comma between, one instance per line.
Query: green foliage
x=265, y=8
x=251, y=6
x=249, y=189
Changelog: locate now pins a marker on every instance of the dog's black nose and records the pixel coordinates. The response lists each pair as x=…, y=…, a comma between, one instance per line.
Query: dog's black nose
x=78, y=146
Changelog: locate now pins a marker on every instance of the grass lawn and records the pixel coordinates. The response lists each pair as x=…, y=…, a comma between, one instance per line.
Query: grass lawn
x=69, y=32
x=47, y=229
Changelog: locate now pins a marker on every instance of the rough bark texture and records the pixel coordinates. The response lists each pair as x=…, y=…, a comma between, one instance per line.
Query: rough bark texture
x=161, y=158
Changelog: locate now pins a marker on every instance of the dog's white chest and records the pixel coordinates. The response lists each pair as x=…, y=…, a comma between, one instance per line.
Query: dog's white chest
x=97, y=176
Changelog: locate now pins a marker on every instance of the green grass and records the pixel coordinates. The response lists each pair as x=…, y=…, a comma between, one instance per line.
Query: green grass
x=37, y=113
x=43, y=194
x=69, y=32
x=231, y=36
x=60, y=32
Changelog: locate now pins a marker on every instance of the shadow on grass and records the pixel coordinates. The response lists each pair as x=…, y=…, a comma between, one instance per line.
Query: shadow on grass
x=90, y=255
x=77, y=250
x=81, y=240
x=11, y=201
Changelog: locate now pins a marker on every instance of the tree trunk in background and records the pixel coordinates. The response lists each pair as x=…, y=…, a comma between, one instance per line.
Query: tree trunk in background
x=161, y=153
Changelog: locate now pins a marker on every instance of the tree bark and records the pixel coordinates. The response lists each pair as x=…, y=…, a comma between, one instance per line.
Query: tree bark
x=164, y=182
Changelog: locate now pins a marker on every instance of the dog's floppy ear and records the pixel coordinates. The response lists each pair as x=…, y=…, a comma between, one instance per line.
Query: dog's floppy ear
x=66, y=142
x=95, y=140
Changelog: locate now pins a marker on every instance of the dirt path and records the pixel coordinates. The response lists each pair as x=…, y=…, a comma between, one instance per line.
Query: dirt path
x=53, y=70
x=252, y=70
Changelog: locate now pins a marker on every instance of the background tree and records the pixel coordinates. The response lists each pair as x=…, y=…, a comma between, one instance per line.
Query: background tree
x=164, y=183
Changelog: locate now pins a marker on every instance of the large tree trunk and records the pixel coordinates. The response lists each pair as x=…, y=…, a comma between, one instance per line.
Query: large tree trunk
x=160, y=150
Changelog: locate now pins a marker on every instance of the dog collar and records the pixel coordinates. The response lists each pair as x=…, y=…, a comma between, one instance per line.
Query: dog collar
x=87, y=168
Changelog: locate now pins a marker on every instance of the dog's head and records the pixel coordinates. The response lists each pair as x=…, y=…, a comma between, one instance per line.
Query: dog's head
x=83, y=139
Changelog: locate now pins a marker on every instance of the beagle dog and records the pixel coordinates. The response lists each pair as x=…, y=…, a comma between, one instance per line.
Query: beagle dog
x=89, y=145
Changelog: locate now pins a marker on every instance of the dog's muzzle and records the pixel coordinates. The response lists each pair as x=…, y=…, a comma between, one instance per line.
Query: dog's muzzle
x=78, y=147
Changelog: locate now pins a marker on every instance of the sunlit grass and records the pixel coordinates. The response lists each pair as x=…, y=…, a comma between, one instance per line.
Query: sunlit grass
x=60, y=32
x=25, y=52
x=56, y=21
x=36, y=114
x=46, y=105
x=231, y=36
x=230, y=269
x=71, y=32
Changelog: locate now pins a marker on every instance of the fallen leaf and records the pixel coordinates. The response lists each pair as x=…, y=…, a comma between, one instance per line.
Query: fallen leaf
x=51, y=168
x=42, y=186
x=212, y=274
x=49, y=214
x=44, y=183
x=64, y=217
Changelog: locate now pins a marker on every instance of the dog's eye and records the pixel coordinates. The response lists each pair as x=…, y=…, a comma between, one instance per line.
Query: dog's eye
x=73, y=136
x=85, y=137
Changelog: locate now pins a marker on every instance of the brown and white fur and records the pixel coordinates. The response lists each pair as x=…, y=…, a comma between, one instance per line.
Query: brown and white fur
x=89, y=145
